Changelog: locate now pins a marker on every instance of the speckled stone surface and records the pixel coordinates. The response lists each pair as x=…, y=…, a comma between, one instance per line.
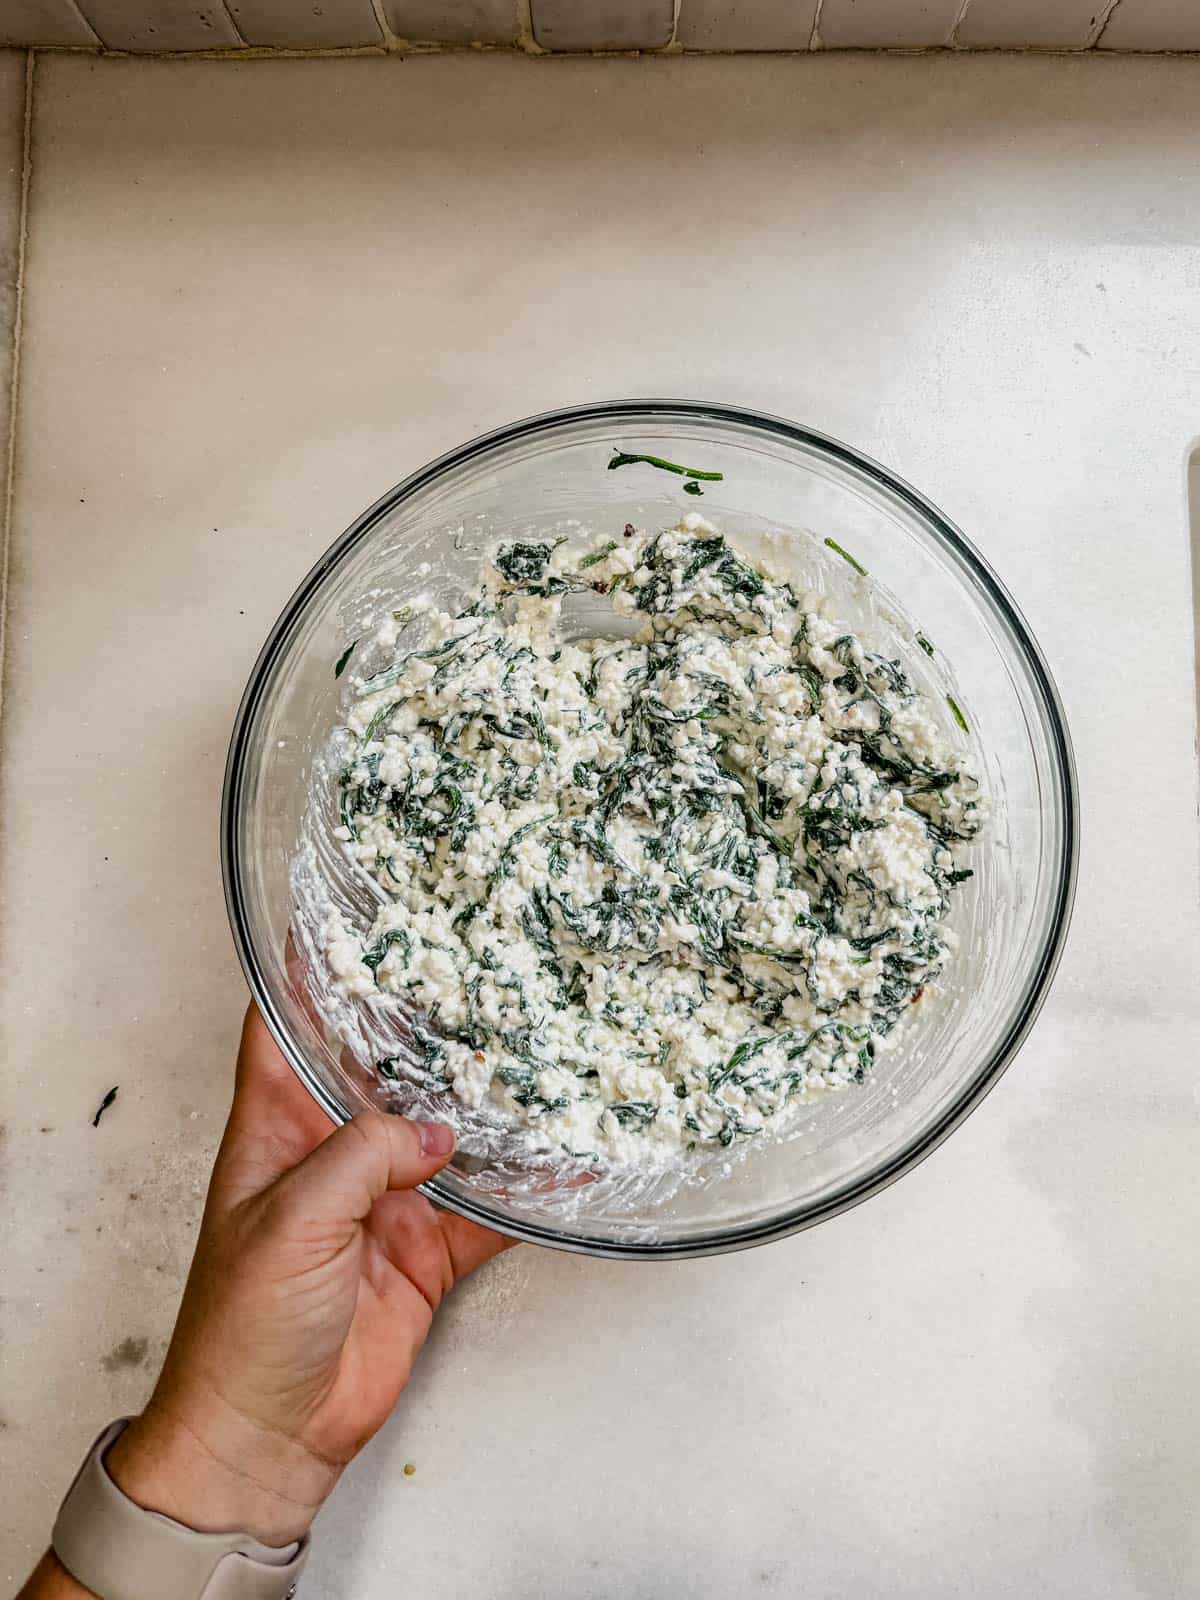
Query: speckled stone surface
x=258, y=294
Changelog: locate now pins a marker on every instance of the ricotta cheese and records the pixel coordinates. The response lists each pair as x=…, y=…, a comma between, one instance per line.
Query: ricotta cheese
x=643, y=894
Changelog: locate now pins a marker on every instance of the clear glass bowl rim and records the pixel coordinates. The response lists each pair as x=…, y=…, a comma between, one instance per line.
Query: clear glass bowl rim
x=787, y=1222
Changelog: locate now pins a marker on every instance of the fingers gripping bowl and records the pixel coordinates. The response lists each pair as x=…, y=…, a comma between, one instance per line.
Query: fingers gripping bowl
x=784, y=493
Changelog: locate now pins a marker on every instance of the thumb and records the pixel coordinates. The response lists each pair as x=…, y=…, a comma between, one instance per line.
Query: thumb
x=342, y=1178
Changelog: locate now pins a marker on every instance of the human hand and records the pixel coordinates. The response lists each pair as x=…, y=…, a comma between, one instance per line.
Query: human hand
x=313, y=1287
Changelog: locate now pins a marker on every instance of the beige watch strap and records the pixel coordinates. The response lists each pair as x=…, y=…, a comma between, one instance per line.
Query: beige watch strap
x=121, y=1552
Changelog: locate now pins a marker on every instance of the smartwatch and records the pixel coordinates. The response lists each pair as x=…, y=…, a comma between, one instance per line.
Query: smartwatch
x=121, y=1552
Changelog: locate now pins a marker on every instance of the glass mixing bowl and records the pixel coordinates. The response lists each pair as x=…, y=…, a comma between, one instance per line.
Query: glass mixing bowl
x=544, y=477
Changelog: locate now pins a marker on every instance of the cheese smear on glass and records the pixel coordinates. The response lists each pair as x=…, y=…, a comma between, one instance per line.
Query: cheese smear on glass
x=644, y=894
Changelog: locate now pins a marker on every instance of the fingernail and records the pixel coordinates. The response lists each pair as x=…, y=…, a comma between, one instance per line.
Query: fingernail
x=436, y=1138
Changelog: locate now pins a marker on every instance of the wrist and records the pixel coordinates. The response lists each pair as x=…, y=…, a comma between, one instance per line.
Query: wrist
x=227, y=1475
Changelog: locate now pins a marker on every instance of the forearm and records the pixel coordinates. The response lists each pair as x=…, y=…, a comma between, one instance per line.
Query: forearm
x=50, y=1580
x=162, y=1466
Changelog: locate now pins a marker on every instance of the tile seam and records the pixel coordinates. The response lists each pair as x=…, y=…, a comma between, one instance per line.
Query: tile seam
x=952, y=38
x=392, y=44
x=387, y=39
x=14, y=385
x=1104, y=22
x=232, y=21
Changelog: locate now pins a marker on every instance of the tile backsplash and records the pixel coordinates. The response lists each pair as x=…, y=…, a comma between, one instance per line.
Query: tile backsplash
x=153, y=25
x=47, y=22
x=317, y=25
x=1032, y=24
x=570, y=26
x=886, y=25
x=1153, y=25
x=746, y=24
x=602, y=24
x=495, y=22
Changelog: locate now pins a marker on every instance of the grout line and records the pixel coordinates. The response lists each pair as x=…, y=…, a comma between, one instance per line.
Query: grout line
x=525, y=44
x=13, y=388
x=1191, y=471
x=952, y=36
x=78, y=10
x=232, y=21
x=387, y=39
x=525, y=41
x=1104, y=22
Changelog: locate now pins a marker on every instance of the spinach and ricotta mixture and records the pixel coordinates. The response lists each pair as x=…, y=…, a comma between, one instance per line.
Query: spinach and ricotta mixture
x=642, y=894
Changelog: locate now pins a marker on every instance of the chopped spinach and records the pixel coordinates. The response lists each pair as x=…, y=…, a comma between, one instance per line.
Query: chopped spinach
x=104, y=1104
x=601, y=834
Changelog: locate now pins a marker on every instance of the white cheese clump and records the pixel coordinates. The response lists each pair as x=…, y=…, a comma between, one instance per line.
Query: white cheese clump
x=646, y=893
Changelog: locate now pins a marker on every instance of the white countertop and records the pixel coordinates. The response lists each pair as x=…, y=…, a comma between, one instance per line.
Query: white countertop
x=256, y=295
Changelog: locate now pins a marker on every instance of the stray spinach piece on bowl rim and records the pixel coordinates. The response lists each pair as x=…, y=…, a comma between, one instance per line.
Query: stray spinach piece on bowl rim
x=846, y=556
x=622, y=458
